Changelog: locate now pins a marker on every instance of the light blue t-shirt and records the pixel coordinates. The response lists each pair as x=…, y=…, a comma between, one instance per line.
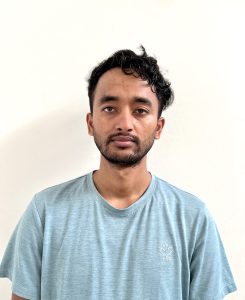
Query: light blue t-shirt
x=72, y=244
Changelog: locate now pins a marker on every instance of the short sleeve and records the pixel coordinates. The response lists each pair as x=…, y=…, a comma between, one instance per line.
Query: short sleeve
x=211, y=277
x=21, y=262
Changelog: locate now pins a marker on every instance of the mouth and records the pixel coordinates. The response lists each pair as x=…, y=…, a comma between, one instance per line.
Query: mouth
x=122, y=141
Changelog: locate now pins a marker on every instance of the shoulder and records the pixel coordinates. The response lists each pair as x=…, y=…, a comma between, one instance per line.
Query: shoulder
x=66, y=188
x=60, y=196
x=185, y=211
x=179, y=200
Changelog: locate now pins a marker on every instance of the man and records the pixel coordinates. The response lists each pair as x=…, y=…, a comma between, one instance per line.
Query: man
x=119, y=232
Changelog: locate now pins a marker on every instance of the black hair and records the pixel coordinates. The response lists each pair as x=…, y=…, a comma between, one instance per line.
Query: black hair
x=142, y=66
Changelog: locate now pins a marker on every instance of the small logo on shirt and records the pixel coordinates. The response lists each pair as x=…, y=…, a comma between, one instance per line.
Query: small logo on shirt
x=166, y=252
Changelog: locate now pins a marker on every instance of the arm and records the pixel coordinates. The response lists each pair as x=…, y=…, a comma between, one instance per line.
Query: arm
x=22, y=259
x=15, y=297
x=210, y=274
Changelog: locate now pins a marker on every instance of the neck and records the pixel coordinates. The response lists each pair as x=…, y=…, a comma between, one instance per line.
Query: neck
x=119, y=185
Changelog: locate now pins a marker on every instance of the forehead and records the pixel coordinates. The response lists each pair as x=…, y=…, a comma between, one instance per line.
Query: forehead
x=115, y=83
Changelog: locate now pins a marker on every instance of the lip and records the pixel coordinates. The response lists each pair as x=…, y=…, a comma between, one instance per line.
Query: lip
x=123, y=141
x=122, y=138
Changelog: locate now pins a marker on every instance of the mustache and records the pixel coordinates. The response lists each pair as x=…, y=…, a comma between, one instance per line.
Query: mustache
x=124, y=134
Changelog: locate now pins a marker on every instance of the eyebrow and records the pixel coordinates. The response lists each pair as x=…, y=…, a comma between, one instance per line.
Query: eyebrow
x=143, y=100
x=108, y=98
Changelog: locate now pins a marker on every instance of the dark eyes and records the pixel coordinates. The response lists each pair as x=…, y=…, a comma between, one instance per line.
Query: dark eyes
x=140, y=111
x=108, y=109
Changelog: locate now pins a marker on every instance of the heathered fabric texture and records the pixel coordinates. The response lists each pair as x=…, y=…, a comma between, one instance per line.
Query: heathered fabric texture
x=72, y=244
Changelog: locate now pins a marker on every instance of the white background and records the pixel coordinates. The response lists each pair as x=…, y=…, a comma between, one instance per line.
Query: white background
x=47, y=49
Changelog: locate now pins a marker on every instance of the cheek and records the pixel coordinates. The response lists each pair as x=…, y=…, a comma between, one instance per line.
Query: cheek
x=150, y=125
x=101, y=128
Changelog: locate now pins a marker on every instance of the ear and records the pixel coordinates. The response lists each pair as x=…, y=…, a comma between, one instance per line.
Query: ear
x=89, y=119
x=160, y=125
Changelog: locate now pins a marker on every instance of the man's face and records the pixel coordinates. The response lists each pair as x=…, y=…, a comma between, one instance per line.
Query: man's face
x=125, y=120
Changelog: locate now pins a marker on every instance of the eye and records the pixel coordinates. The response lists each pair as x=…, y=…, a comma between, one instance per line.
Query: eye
x=141, y=111
x=108, y=109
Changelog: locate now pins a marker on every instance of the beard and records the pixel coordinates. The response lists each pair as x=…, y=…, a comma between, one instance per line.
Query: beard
x=121, y=159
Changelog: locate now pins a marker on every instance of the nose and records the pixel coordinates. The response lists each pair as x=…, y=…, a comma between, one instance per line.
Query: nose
x=124, y=121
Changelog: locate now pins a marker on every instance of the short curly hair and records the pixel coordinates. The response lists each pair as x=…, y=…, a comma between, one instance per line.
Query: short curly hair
x=142, y=66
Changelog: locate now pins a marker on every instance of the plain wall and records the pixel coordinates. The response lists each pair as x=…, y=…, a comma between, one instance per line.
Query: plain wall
x=47, y=51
